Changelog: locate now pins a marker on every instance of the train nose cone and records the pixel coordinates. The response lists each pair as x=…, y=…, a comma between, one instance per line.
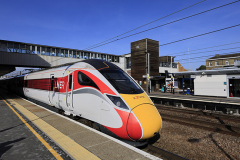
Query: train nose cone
x=147, y=122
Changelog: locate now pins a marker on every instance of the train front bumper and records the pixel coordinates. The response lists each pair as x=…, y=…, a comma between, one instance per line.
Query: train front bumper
x=147, y=117
x=144, y=120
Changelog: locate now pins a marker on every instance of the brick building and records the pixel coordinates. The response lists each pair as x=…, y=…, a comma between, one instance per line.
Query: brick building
x=219, y=61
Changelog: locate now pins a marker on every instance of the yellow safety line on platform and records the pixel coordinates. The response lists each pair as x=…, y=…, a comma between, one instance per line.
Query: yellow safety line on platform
x=55, y=154
x=71, y=147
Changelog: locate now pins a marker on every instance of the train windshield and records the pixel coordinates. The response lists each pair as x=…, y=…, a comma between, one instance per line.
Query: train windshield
x=121, y=82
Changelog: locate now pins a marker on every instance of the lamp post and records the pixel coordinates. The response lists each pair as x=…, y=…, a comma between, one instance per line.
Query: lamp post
x=149, y=81
x=148, y=69
x=148, y=72
x=172, y=78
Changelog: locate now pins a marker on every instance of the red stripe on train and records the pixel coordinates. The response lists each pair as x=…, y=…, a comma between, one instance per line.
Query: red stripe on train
x=130, y=127
x=60, y=84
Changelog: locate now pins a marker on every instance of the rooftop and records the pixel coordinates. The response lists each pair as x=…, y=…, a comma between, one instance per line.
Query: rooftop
x=218, y=56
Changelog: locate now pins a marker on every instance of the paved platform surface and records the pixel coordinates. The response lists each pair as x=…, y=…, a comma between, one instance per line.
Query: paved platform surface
x=62, y=138
x=17, y=141
x=208, y=99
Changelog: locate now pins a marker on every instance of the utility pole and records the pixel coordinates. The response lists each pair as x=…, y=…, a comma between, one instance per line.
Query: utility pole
x=171, y=76
x=149, y=81
x=148, y=69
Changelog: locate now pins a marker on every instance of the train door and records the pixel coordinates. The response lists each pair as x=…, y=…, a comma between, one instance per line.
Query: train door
x=69, y=94
x=52, y=94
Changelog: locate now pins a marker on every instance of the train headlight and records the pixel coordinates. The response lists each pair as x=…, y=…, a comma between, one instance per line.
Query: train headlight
x=118, y=102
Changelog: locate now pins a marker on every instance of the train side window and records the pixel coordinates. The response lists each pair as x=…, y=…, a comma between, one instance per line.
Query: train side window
x=85, y=80
x=70, y=82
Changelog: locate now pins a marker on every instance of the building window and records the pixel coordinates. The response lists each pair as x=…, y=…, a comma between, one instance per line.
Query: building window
x=53, y=52
x=174, y=65
x=216, y=63
x=227, y=62
x=28, y=49
x=86, y=55
x=78, y=54
x=70, y=54
x=10, y=47
x=99, y=56
x=38, y=50
x=23, y=48
x=128, y=61
x=43, y=51
x=103, y=57
x=16, y=48
x=210, y=63
x=48, y=52
x=110, y=58
x=74, y=54
x=93, y=55
x=81, y=54
x=58, y=52
x=116, y=59
x=32, y=50
x=61, y=52
x=66, y=53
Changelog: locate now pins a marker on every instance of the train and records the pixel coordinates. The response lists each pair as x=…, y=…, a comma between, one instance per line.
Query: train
x=97, y=92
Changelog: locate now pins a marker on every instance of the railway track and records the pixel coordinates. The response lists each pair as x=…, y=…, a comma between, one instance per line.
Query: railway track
x=202, y=124
x=203, y=113
x=161, y=153
x=153, y=150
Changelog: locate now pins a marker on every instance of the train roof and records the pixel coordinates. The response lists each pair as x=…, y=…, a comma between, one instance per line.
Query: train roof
x=101, y=64
x=95, y=63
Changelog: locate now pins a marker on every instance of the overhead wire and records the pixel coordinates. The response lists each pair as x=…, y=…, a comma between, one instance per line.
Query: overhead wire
x=192, y=62
x=196, y=59
x=183, y=61
x=140, y=26
x=177, y=21
x=145, y=24
x=171, y=23
x=209, y=55
x=210, y=51
x=200, y=35
x=203, y=48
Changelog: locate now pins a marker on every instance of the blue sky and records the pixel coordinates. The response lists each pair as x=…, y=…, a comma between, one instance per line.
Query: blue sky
x=80, y=24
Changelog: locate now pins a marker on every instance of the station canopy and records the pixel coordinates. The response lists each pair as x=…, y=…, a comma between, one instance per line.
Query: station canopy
x=210, y=72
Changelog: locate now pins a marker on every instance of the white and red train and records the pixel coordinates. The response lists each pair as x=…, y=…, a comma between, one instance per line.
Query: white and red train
x=98, y=91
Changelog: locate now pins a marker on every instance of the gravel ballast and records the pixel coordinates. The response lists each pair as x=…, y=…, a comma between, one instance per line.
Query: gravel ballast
x=194, y=143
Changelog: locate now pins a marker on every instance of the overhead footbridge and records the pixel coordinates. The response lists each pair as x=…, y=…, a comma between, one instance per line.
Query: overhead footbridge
x=18, y=54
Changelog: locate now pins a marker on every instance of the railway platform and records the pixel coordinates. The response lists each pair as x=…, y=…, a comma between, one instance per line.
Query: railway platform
x=193, y=101
x=208, y=99
x=29, y=131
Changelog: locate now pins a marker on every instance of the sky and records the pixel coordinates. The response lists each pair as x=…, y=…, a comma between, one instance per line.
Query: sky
x=79, y=24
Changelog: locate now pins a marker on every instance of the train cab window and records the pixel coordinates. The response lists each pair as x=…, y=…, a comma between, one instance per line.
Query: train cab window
x=121, y=82
x=85, y=80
